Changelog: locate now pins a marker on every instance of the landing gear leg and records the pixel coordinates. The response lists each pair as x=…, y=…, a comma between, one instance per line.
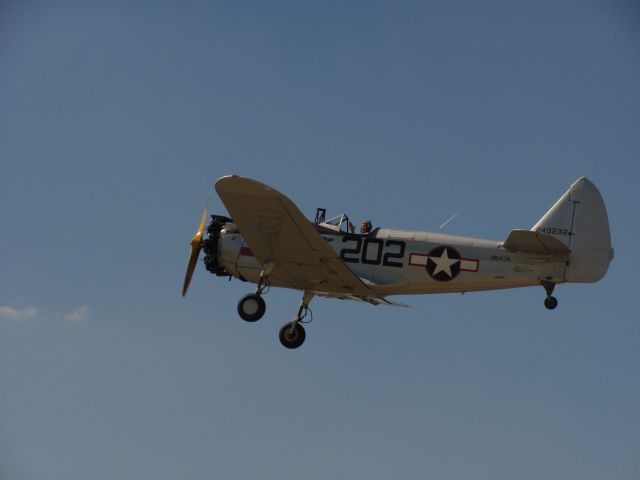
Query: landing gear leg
x=292, y=334
x=550, y=302
x=252, y=306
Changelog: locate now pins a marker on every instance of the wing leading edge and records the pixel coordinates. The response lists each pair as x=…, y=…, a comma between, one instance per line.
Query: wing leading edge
x=277, y=232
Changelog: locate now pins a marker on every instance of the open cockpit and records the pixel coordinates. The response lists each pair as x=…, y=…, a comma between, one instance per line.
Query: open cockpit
x=341, y=225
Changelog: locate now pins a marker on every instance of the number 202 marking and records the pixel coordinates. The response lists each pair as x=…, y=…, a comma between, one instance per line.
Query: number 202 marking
x=370, y=251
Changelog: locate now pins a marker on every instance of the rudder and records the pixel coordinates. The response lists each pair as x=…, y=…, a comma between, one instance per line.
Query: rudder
x=579, y=220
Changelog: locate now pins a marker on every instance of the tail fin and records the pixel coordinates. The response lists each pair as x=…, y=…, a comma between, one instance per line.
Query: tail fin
x=579, y=220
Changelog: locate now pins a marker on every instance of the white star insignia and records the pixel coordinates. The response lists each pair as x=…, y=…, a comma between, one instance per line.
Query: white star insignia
x=443, y=263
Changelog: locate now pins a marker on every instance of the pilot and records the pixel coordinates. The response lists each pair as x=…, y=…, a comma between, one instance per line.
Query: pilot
x=365, y=227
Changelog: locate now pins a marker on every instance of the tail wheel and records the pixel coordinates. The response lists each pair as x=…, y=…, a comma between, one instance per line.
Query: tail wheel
x=551, y=302
x=292, y=335
x=251, y=307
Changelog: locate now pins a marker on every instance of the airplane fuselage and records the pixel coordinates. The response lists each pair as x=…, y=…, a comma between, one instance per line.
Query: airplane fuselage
x=268, y=241
x=401, y=262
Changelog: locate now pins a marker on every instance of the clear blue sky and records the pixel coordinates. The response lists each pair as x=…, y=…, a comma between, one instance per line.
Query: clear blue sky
x=115, y=121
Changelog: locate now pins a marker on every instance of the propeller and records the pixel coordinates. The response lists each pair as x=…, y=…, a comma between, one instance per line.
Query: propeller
x=196, y=246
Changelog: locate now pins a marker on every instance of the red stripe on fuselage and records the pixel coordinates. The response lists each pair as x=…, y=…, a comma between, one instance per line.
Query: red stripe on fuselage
x=466, y=264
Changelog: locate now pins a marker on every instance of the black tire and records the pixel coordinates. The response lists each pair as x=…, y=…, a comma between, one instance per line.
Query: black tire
x=291, y=339
x=251, y=307
x=551, y=302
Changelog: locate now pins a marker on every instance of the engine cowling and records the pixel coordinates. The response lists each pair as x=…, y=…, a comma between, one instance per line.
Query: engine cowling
x=210, y=245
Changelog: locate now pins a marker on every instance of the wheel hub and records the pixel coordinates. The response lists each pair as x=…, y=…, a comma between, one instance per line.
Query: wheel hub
x=250, y=306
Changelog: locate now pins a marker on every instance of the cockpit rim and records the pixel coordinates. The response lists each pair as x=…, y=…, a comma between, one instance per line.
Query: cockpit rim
x=339, y=225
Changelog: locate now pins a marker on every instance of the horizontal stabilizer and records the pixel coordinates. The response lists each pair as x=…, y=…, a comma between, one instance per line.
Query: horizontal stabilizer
x=534, y=242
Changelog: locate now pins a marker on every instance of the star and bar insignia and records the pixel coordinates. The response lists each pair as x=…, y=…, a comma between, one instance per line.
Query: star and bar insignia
x=443, y=263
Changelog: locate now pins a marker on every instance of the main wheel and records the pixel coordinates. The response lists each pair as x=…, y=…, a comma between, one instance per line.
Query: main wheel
x=292, y=339
x=551, y=302
x=251, y=307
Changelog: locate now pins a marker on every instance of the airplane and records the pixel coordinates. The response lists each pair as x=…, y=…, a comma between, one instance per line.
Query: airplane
x=268, y=241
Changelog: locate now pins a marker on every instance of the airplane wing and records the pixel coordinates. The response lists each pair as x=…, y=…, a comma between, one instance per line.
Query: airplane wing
x=277, y=232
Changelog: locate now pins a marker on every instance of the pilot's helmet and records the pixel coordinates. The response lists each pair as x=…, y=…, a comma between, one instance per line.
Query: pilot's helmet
x=366, y=225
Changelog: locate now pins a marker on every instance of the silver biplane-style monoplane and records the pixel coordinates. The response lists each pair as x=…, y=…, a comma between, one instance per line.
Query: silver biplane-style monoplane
x=269, y=242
